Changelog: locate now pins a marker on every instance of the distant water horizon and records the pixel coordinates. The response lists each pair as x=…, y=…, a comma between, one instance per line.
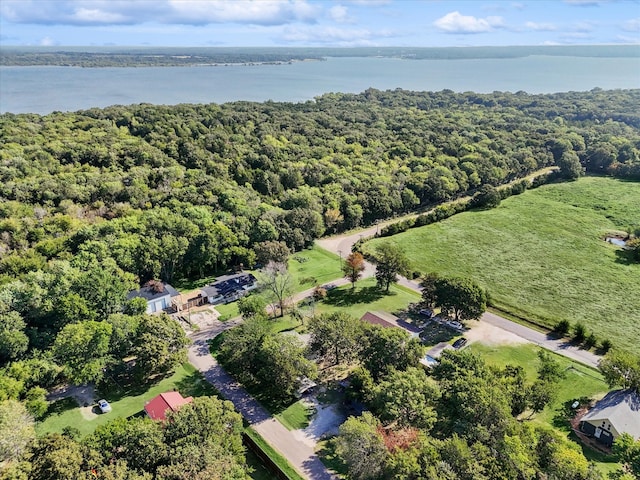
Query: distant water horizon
x=45, y=89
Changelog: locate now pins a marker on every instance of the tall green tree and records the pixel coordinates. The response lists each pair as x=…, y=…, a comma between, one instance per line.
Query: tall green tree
x=389, y=348
x=407, y=399
x=361, y=447
x=83, y=350
x=462, y=297
x=335, y=337
x=391, y=261
x=16, y=430
x=160, y=346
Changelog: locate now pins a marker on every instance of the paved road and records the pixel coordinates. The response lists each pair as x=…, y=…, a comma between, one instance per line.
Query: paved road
x=343, y=243
x=300, y=455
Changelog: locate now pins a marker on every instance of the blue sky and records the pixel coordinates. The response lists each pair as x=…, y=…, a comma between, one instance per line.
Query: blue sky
x=336, y=23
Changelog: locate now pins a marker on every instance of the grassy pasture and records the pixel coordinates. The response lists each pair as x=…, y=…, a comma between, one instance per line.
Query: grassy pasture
x=541, y=255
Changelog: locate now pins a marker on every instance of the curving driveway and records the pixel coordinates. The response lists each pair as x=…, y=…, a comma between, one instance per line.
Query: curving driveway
x=299, y=454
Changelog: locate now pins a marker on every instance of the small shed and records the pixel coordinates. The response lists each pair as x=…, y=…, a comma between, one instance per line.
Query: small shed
x=159, y=296
x=157, y=407
x=617, y=413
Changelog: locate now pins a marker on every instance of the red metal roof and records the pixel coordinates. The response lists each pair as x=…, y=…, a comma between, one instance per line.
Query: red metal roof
x=158, y=406
x=375, y=318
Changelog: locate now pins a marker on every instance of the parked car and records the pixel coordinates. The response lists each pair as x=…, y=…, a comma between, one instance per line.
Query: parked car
x=104, y=406
x=461, y=342
x=426, y=312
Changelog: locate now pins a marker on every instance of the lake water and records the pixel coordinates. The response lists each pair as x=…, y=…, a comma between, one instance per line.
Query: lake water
x=46, y=89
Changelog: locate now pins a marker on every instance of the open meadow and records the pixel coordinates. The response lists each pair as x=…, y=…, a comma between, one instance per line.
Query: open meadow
x=542, y=255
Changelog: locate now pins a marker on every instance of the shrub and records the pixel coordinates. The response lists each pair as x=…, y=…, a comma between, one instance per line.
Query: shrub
x=562, y=328
x=590, y=341
x=605, y=345
x=319, y=293
x=579, y=332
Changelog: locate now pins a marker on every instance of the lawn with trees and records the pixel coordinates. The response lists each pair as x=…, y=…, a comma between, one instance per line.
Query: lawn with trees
x=95, y=203
x=542, y=255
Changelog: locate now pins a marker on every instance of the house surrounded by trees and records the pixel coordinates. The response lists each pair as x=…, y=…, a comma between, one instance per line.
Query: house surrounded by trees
x=617, y=413
x=159, y=296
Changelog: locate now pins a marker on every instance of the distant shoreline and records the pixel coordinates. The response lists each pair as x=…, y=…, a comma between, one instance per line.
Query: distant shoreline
x=96, y=57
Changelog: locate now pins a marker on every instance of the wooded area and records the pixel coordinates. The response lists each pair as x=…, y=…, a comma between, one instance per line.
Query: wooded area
x=94, y=203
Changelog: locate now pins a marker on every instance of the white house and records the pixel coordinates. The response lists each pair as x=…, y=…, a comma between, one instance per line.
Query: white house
x=159, y=296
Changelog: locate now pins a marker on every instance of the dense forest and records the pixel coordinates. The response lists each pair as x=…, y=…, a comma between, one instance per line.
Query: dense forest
x=175, y=56
x=170, y=192
x=93, y=203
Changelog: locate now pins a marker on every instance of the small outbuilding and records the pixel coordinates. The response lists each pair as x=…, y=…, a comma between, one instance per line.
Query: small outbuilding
x=159, y=296
x=617, y=413
x=157, y=407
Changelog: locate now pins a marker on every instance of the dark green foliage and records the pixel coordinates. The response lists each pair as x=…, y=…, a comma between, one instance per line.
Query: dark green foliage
x=486, y=197
x=562, y=327
x=606, y=345
x=390, y=262
x=579, y=332
x=389, y=348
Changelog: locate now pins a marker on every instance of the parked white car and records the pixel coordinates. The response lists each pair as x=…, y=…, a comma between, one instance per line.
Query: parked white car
x=104, y=406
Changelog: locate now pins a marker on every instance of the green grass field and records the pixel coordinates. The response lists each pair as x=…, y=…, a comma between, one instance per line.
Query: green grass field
x=313, y=266
x=296, y=416
x=66, y=413
x=366, y=297
x=579, y=382
x=541, y=255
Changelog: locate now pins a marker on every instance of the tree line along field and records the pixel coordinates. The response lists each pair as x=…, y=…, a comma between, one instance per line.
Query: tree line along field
x=542, y=255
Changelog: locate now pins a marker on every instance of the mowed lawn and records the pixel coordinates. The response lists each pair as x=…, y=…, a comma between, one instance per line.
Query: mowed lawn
x=542, y=255
x=314, y=266
x=366, y=297
x=186, y=379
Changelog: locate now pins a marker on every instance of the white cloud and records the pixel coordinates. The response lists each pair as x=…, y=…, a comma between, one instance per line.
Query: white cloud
x=454, y=22
x=334, y=36
x=632, y=25
x=587, y=3
x=582, y=27
x=369, y=2
x=46, y=42
x=540, y=27
x=628, y=39
x=187, y=12
x=340, y=14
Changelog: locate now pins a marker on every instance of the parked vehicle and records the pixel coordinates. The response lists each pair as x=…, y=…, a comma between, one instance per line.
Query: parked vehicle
x=461, y=342
x=426, y=312
x=104, y=406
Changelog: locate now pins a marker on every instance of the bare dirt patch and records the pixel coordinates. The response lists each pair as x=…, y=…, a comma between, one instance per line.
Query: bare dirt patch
x=488, y=334
x=201, y=318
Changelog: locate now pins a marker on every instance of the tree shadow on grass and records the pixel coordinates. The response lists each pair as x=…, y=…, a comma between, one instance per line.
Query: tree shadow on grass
x=625, y=257
x=60, y=406
x=348, y=297
x=328, y=456
x=194, y=385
